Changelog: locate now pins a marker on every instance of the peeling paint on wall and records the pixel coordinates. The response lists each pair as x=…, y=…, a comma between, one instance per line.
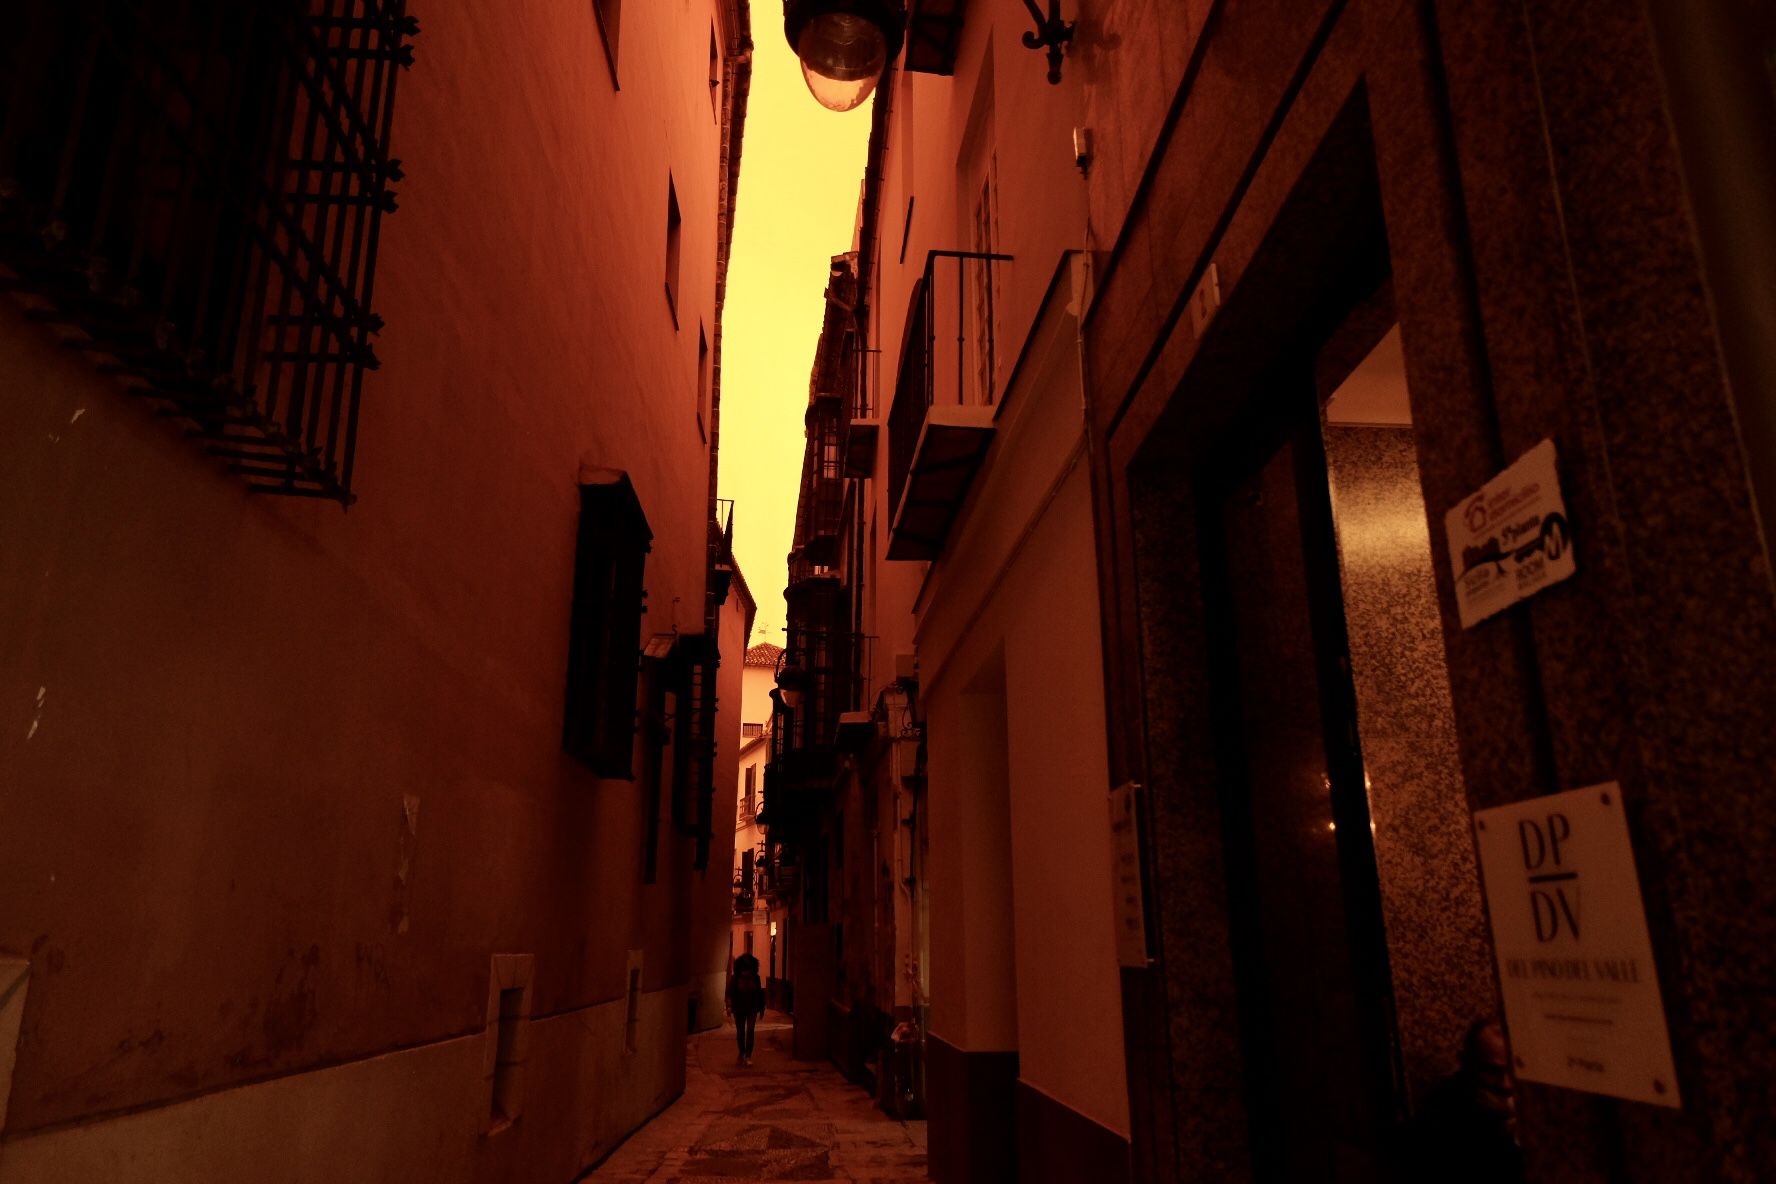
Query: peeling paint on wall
x=37, y=718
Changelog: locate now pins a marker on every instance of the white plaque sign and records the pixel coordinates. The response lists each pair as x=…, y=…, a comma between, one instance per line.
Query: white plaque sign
x=1575, y=964
x=1510, y=540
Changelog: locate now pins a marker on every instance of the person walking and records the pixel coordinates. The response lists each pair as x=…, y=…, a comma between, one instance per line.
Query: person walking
x=746, y=1001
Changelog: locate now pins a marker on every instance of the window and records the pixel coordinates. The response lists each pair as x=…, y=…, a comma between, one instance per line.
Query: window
x=983, y=282
x=977, y=188
x=715, y=74
x=506, y=1036
x=751, y=788
x=158, y=202
x=656, y=734
x=703, y=411
x=609, y=14
x=672, y=228
x=632, y=1004
x=604, y=641
x=693, y=786
x=743, y=884
x=505, y=1065
x=752, y=731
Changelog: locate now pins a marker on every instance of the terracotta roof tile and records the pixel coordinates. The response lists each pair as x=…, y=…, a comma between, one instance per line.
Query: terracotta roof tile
x=764, y=654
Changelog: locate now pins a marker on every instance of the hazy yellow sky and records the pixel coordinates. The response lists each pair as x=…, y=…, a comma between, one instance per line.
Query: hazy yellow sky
x=800, y=172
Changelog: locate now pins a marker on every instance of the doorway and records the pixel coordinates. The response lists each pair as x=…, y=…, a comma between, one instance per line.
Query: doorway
x=1321, y=942
x=1308, y=944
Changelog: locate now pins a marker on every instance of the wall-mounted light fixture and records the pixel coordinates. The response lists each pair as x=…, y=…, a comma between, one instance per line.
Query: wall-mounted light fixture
x=1051, y=32
x=844, y=45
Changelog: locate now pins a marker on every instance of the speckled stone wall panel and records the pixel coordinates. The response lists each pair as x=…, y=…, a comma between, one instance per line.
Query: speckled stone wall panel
x=1655, y=667
x=1547, y=285
x=1204, y=1071
x=1201, y=164
x=1438, y=951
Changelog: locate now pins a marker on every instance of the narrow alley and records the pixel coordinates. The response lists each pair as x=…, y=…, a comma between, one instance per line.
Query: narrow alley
x=775, y=1119
x=1173, y=591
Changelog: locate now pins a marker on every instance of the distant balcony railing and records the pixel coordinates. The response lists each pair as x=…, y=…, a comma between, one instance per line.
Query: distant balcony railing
x=947, y=356
x=813, y=689
x=721, y=549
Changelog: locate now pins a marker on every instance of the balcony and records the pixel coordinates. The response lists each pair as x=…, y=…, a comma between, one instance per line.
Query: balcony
x=721, y=550
x=863, y=429
x=822, y=501
x=934, y=29
x=813, y=687
x=941, y=423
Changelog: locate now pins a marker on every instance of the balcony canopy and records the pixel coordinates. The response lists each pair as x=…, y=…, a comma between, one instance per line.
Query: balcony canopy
x=952, y=444
x=941, y=422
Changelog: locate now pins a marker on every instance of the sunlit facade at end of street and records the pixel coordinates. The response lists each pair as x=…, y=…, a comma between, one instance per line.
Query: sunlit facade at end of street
x=874, y=590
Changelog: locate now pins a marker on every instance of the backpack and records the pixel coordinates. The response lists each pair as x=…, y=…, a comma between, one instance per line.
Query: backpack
x=746, y=991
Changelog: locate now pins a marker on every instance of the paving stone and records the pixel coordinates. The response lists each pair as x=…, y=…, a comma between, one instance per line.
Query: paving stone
x=776, y=1119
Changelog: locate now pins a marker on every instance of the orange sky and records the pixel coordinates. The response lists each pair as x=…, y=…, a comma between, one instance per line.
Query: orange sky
x=800, y=172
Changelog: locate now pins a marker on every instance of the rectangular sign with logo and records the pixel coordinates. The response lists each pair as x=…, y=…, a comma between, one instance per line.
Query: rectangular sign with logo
x=1511, y=539
x=1575, y=963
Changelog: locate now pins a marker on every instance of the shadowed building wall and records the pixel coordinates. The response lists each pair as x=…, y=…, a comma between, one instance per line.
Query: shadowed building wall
x=290, y=785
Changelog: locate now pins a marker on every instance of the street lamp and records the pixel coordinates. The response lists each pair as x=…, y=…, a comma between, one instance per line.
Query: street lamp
x=792, y=680
x=844, y=45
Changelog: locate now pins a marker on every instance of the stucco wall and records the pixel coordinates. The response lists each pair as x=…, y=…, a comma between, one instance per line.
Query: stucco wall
x=280, y=779
x=1424, y=850
x=1007, y=638
x=416, y=1115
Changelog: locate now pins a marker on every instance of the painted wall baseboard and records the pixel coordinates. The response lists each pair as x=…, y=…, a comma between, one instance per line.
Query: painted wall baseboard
x=418, y=1115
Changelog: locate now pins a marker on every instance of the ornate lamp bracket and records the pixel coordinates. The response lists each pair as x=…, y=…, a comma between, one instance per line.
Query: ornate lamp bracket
x=1051, y=31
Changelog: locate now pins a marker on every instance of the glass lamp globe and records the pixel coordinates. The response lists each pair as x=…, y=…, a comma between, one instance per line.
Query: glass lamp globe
x=843, y=56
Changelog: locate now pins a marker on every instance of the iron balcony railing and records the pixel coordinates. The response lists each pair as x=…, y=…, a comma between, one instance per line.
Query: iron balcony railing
x=835, y=371
x=192, y=190
x=947, y=350
x=817, y=676
x=694, y=768
x=820, y=507
x=721, y=549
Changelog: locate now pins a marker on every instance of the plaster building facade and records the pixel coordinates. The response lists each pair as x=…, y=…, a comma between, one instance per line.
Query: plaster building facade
x=360, y=844
x=751, y=912
x=737, y=690
x=1164, y=382
x=955, y=808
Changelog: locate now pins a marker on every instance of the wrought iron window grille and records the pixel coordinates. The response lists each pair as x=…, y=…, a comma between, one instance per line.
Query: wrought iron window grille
x=193, y=190
x=604, y=639
x=696, y=660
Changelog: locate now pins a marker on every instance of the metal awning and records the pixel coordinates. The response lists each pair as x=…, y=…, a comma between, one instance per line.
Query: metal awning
x=953, y=443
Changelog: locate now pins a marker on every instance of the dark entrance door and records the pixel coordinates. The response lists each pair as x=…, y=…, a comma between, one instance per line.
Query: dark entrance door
x=1309, y=951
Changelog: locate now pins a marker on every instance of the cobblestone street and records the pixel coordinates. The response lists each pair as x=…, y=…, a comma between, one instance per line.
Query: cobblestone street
x=777, y=1119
